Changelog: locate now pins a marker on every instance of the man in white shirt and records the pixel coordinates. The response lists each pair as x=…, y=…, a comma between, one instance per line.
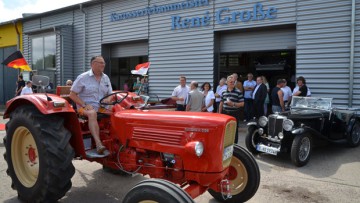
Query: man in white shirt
x=219, y=90
x=180, y=93
x=249, y=86
x=287, y=94
x=27, y=89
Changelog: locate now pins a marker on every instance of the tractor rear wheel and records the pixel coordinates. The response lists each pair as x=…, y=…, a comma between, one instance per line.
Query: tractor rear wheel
x=244, y=177
x=38, y=155
x=157, y=191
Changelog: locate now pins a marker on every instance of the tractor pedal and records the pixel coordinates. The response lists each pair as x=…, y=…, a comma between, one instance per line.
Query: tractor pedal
x=92, y=154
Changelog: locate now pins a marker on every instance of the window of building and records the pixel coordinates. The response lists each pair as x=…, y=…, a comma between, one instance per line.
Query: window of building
x=43, y=55
x=43, y=52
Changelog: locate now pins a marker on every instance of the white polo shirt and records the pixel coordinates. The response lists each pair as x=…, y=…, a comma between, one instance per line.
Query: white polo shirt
x=181, y=92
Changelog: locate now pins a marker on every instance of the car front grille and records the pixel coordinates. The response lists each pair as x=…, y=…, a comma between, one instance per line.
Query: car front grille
x=275, y=124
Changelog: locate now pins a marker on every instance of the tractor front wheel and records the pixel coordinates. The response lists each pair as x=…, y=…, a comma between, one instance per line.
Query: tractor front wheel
x=38, y=155
x=244, y=177
x=157, y=191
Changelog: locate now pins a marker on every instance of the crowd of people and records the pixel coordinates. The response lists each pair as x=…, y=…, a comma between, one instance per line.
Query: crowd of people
x=230, y=95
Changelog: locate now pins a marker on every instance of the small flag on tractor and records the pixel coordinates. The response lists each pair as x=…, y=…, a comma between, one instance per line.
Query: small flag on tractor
x=17, y=60
x=141, y=69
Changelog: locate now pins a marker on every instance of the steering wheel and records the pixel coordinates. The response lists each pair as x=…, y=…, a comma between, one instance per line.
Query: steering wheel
x=102, y=102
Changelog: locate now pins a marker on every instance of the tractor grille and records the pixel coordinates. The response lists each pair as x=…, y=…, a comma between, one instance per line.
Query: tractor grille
x=275, y=124
x=168, y=137
x=229, y=138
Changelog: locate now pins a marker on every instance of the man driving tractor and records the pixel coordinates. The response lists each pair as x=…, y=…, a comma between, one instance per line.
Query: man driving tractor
x=86, y=92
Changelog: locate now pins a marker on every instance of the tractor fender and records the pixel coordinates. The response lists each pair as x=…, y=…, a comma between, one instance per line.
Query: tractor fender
x=40, y=102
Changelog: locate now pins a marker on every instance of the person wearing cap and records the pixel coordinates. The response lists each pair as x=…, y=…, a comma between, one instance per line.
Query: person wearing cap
x=27, y=89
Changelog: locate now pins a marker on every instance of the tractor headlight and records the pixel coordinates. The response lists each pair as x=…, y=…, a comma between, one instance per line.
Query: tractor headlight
x=263, y=120
x=199, y=148
x=288, y=125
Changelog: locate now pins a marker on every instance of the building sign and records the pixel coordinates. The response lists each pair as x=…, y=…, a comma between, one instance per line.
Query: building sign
x=159, y=9
x=225, y=16
x=222, y=15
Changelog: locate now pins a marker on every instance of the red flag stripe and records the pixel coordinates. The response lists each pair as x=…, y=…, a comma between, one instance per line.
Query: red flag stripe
x=17, y=62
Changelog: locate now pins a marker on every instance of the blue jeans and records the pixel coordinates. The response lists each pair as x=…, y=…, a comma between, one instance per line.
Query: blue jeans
x=276, y=108
x=180, y=107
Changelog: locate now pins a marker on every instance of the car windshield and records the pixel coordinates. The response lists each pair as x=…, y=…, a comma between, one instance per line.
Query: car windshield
x=311, y=102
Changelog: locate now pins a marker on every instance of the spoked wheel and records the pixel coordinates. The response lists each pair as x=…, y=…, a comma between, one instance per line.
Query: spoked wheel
x=301, y=149
x=157, y=191
x=244, y=177
x=354, y=137
x=38, y=155
x=250, y=140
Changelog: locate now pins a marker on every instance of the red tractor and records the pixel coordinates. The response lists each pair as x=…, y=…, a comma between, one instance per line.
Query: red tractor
x=184, y=153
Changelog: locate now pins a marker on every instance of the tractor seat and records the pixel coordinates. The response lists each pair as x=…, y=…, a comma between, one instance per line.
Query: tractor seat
x=64, y=92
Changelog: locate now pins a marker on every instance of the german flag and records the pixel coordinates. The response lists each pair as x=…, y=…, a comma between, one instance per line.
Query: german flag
x=17, y=60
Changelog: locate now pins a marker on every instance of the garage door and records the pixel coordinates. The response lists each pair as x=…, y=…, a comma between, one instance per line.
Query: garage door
x=279, y=39
x=129, y=49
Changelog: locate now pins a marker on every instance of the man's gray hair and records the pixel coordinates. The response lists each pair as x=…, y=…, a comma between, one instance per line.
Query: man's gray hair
x=195, y=83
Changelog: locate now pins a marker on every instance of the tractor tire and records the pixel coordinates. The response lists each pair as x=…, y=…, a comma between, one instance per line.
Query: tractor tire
x=353, y=138
x=38, y=155
x=244, y=177
x=156, y=190
x=250, y=140
x=301, y=149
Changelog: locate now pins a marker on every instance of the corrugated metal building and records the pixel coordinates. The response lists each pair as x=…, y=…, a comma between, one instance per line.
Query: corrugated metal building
x=204, y=40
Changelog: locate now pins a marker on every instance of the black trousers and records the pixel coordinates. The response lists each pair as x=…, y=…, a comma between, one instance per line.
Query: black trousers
x=236, y=115
x=258, y=108
x=248, y=108
x=180, y=107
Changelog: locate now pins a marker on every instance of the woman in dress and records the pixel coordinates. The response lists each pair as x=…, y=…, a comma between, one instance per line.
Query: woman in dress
x=209, y=97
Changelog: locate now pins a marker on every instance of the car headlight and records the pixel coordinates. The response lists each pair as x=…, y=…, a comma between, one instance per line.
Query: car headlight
x=281, y=135
x=199, y=148
x=263, y=120
x=288, y=125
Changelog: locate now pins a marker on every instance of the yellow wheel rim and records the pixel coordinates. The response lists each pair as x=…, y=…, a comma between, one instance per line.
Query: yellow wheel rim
x=238, y=176
x=24, y=155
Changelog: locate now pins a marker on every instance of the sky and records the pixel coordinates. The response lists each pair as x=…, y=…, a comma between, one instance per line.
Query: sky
x=12, y=9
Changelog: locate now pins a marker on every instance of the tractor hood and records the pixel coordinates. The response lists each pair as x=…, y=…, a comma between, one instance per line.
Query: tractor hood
x=174, y=132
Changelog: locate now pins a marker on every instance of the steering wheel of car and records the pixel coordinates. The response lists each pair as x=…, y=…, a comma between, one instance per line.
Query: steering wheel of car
x=115, y=99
